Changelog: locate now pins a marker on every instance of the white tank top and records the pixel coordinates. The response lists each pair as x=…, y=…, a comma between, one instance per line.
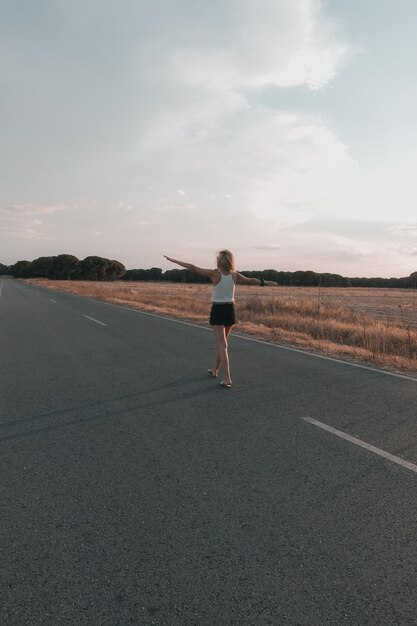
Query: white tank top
x=224, y=291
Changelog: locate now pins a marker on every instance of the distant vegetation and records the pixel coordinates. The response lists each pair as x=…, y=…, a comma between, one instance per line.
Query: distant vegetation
x=68, y=267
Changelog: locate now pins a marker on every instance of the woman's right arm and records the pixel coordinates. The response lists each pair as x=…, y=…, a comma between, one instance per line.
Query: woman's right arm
x=193, y=268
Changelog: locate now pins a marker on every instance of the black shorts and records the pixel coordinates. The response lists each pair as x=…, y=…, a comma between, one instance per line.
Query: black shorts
x=223, y=314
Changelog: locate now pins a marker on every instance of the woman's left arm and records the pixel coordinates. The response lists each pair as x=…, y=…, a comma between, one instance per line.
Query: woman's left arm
x=254, y=281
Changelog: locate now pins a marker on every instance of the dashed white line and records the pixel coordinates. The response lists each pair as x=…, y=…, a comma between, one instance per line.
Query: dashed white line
x=50, y=300
x=363, y=444
x=93, y=320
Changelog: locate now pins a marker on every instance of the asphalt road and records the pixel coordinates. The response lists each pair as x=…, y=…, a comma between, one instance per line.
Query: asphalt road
x=135, y=490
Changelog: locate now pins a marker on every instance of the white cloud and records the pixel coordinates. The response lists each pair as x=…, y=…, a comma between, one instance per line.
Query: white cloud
x=30, y=209
x=268, y=246
x=201, y=128
x=24, y=232
x=174, y=207
x=283, y=42
x=123, y=206
x=386, y=194
x=404, y=230
x=178, y=113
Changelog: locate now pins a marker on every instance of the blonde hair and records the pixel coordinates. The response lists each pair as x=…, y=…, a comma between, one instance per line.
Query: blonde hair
x=225, y=261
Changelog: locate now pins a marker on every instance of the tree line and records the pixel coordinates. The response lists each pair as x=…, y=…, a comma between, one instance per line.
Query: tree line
x=68, y=267
x=299, y=278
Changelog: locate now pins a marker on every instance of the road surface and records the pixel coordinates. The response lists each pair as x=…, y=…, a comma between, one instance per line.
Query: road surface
x=136, y=490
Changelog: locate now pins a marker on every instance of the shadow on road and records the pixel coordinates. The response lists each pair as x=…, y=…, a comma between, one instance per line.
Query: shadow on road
x=123, y=407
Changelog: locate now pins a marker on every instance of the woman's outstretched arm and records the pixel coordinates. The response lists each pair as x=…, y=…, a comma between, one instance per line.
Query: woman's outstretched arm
x=244, y=280
x=192, y=268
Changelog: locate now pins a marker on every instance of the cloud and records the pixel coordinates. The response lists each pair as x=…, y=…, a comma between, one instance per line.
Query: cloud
x=175, y=207
x=123, y=206
x=347, y=246
x=20, y=221
x=201, y=124
x=24, y=232
x=180, y=88
x=404, y=230
x=30, y=209
x=349, y=228
x=286, y=43
x=171, y=113
x=268, y=246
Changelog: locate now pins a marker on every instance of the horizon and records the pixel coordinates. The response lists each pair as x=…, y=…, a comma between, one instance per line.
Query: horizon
x=169, y=266
x=288, y=136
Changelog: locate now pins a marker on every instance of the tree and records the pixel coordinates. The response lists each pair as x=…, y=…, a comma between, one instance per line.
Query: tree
x=135, y=275
x=99, y=268
x=155, y=273
x=42, y=267
x=412, y=280
x=21, y=269
x=93, y=268
x=64, y=267
x=114, y=270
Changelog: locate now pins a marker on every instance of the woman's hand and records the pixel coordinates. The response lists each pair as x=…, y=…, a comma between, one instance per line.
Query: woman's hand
x=169, y=258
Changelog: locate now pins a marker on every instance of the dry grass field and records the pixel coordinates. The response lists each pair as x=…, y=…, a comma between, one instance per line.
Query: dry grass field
x=378, y=326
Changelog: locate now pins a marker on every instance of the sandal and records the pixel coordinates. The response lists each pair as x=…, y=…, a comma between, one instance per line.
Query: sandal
x=212, y=374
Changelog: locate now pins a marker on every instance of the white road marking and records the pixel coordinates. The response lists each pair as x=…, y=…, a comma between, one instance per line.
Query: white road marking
x=93, y=320
x=363, y=444
x=50, y=299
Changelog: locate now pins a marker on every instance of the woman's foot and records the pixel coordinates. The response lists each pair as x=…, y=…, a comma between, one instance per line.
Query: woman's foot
x=213, y=373
x=226, y=383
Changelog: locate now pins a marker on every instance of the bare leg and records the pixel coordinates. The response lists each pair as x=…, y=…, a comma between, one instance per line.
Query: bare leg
x=216, y=367
x=217, y=362
x=221, y=340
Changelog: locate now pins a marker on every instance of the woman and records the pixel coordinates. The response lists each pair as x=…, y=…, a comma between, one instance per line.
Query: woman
x=223, y=310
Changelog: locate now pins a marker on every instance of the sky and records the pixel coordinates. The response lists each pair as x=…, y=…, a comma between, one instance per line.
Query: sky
x=284, y=130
